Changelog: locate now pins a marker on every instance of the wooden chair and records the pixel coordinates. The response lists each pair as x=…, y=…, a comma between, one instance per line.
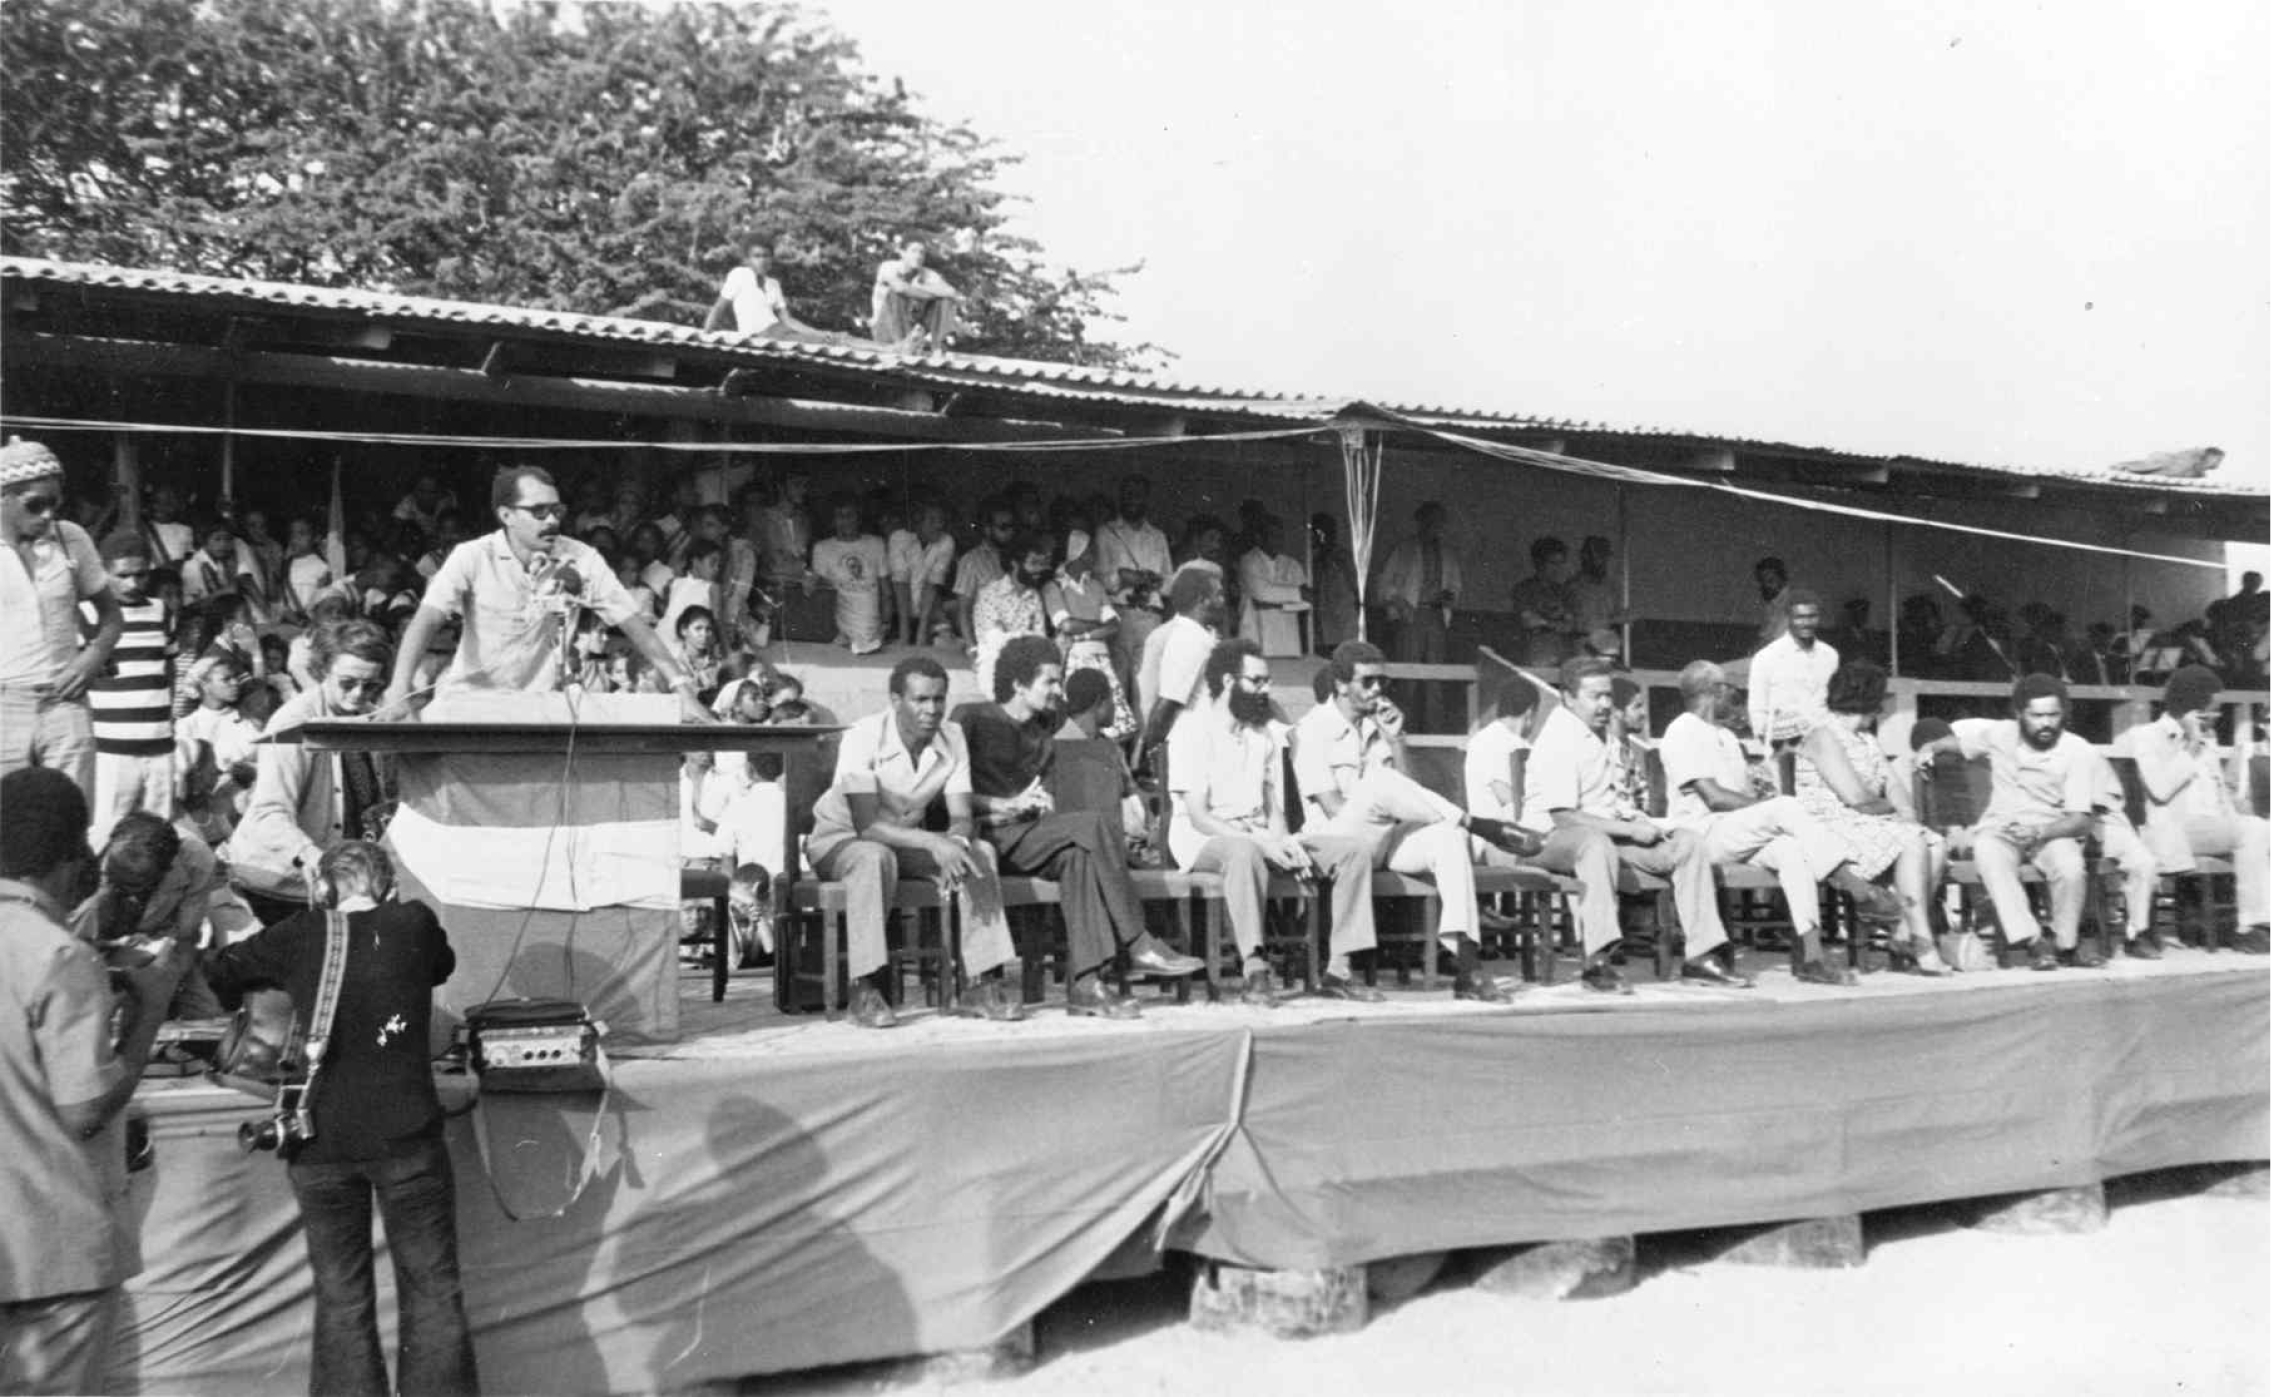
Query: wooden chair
x=1951, y=799
x=1416, y=893
x=2203, y=901
x=704, y=881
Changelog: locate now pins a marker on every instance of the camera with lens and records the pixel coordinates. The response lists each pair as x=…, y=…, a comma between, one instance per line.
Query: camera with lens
x=285, y=1130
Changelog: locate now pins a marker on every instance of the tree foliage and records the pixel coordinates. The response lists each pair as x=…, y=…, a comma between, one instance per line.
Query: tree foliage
x=610, y=165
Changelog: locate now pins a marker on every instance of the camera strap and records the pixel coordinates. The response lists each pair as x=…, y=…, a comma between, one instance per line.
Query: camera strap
x=328, y=983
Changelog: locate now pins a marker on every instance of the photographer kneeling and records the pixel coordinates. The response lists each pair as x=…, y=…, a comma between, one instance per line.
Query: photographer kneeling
x=378, y=1127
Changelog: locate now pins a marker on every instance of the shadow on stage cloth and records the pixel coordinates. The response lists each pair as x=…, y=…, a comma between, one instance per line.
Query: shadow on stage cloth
x=554, y=872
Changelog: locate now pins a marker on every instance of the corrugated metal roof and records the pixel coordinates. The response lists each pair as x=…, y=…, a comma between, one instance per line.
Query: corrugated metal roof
x=1013, y=377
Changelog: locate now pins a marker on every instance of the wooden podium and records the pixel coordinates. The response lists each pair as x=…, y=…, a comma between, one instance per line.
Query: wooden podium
x=544, y=831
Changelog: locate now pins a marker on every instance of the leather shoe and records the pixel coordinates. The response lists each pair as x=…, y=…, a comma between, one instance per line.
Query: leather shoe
x=2084, y=956
x=1820, y=972
x=1089, y=997
x=2145, y=945
x=990, y=999
x=1512, y=838
x=1480, y=989
x=870, y=1009
x=2045, y=955
x=1602, y=977
x=1148, y=957
x=1259, y=990
x=1340, y=987
x=1706, y=970
x=2255, y=941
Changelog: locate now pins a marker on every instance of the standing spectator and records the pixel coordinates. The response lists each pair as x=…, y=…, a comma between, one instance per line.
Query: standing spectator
x=132, y=703
x=260, y=568
x=1276, y=589
x=1334, y=578
x=51, y=567
x=173, y=538
x=853, y=562
x=1542, y=607
x=1790, y=674
x=1174, y=657
x=922, y=562
x=211, y=571
x=305, y=571
x=1133, y=560
x=378, y=1128
x=1012, y=604
x=983, y=563
x=697, y=647
x=220, y=723
x=449, y=532
x=697, y=585
x=1595, y=600
x=788, y=533
x=1773, y=579
x=1419, y=588
x=744, y=566
x=66, y=1243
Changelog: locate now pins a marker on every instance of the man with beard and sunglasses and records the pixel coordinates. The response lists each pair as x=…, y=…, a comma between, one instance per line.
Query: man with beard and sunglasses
x=512, y=591
x=50, y=568
x=1226, y=772
x=1349, y=759
x=2038, y=813
x=1012, y=744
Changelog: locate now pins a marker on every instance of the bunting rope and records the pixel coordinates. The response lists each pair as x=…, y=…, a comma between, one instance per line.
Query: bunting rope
x=727, y=448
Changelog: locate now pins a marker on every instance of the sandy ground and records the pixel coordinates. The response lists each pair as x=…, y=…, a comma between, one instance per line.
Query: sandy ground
x=2169, y=1298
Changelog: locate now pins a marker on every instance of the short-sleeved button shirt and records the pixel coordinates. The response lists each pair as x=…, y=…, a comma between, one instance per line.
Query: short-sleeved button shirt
x=1490, y=758
x=1695, y=750
x=2028, y=784
x=39, y=603
x=873, y=760
x=62, y=1199
x=1569, y=769
x=1330, y=753
x=1174, y=662
x=511, y=635
x=1227, y=769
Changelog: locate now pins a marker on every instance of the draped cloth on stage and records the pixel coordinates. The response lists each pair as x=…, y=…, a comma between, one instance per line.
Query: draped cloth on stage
x=555, y=873
x=751, y=1215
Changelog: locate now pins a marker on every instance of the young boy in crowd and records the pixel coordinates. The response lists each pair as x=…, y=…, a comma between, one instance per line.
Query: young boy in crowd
x=853, y=562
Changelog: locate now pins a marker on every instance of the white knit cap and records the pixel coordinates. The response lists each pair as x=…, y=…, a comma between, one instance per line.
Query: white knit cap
x=22, y=460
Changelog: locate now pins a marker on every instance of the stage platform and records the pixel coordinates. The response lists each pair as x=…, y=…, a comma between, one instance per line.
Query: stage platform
x=777, y=1194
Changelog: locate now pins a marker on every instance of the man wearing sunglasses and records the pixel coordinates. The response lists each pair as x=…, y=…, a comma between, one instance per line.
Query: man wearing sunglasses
x=514, y=592
x=50, y=568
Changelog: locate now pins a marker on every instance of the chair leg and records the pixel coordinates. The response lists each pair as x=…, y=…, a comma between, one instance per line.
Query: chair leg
x=831, y=962
x=1313, y=941
x=1431, y=927
x=721, y=919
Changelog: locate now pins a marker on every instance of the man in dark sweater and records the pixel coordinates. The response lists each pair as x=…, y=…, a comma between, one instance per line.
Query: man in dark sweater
x=378, y=1128
x=1012, y=748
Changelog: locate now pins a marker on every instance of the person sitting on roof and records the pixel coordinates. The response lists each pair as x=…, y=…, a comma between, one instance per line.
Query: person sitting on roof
x=914, y=307
x=752, y=297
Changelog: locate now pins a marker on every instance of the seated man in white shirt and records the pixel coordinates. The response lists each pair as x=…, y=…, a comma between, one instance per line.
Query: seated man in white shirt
x=2189, y=809
x=1574, y=850
x=1709, y=778
x=1570, y=781
x=1348, y=756
x=1226, y=772
x=868, y=831
x=2040, y=811
x=752, y=299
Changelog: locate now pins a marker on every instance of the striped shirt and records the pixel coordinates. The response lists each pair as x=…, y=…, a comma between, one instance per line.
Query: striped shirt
x=132, y=704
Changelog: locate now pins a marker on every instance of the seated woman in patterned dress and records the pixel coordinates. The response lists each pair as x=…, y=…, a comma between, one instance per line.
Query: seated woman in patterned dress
x=1843, y=778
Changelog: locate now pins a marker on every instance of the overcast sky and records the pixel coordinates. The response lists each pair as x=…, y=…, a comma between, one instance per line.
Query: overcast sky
x=2030, y=234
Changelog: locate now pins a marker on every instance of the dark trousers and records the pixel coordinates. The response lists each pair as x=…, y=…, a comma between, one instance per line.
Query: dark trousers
x=1087, y=855
x=417, y=1199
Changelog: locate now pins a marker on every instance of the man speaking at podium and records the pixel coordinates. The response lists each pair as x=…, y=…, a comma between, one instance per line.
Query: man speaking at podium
x=515, y=593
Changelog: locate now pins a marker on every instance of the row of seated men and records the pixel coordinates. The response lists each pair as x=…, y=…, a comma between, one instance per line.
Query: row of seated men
x=1575, y=809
